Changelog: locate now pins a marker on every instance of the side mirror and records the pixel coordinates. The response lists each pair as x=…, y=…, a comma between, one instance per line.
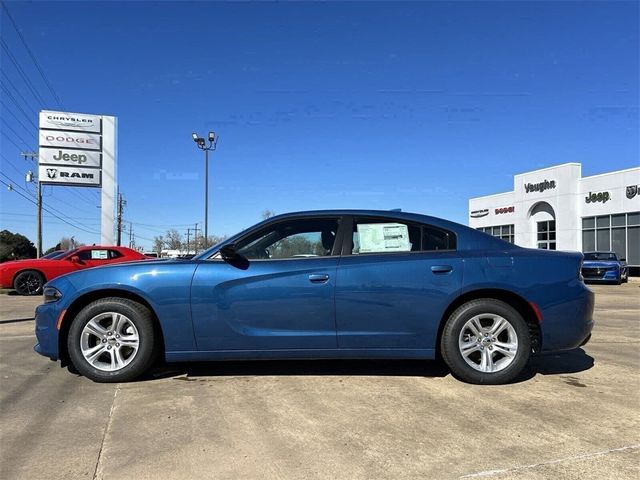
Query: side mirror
x=233, y=258
x=228, y=252
x=75, y=259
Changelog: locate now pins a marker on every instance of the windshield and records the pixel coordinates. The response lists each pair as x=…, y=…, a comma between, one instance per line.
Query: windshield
x=56, y=254
x=600, y=256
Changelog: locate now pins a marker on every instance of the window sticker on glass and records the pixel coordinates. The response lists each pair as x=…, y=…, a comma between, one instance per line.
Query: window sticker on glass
x=99, y=254
x=383, y=237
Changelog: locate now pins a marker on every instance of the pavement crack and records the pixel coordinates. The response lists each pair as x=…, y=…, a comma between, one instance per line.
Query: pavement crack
x=97, y=473
x=492, y=473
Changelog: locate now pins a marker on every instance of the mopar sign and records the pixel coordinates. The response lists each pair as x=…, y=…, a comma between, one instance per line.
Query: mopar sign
x=87, y=177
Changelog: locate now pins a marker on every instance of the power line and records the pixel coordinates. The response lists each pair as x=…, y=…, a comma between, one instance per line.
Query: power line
x=22, y=74
x=8, y=80
x=48, y=208
x=15, y=102
x=93, y=232
x=10, y=139
x=19, y=137
x=24, y=42
x=15, y=117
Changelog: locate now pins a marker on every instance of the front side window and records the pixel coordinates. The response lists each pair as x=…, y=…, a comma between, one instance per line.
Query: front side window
x=304, y=238
x=390, y=236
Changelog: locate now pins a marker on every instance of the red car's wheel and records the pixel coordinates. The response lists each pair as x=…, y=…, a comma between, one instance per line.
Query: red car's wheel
x=29, y=282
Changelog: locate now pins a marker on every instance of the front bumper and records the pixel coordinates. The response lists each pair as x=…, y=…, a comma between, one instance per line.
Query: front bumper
x=47, y=315
x=591, y=274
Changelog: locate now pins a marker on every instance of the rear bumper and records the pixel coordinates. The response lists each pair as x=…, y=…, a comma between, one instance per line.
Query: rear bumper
x=567, y=323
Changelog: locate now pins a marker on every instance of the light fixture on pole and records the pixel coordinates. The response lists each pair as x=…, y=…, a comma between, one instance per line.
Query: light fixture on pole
x=200, y=142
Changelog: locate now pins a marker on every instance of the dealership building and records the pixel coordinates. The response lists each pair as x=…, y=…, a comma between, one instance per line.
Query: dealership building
x=557, y=208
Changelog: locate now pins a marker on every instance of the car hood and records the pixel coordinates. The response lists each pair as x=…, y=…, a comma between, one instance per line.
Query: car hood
x=27, y=261
x=600, y=263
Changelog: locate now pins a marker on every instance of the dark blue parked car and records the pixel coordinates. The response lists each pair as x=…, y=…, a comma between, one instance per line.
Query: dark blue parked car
x=604, y=267
x=328, y=284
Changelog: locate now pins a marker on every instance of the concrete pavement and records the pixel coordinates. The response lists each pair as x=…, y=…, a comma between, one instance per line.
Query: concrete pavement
x=574, y=415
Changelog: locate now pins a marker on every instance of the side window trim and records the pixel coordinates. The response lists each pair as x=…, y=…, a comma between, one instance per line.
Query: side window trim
x=335, y=251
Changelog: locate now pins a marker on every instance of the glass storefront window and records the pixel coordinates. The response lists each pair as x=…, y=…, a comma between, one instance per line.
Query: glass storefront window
x=619, y=233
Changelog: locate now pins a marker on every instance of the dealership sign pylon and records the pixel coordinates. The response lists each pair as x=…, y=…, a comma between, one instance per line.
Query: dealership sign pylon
x=80, y=150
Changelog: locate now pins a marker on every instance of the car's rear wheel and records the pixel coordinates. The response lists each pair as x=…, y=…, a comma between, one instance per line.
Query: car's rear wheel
x=112, y=340
x=486, y=341
x=29, y=282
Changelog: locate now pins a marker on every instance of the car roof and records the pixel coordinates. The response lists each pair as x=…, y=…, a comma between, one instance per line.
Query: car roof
x=417, y=217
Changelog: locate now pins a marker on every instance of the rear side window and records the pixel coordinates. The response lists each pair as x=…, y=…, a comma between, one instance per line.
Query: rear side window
x=389, y=236
x=114, y=254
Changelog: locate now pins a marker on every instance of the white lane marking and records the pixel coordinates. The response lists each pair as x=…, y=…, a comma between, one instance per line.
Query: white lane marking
x=490, y=473
x=10, y=337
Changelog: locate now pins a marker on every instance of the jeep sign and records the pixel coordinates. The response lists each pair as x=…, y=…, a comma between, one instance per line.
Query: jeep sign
x=53, y=174
x=70, y=158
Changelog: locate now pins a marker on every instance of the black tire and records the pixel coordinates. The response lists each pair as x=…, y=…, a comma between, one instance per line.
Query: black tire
x=136, y=314
x=29, y=282
x=625, y=279
x=453, y=357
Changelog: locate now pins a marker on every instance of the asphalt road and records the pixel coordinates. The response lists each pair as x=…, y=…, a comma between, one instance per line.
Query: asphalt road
x=572, y=416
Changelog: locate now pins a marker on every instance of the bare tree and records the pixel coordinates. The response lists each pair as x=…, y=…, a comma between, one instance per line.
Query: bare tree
x=173, y=239
x=158, y=244
x=266, y=213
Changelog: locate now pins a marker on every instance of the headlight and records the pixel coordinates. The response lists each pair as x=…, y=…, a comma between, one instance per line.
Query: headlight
x=51, y=295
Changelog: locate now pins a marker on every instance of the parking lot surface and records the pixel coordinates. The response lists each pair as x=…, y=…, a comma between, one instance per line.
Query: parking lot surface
x=573, y=416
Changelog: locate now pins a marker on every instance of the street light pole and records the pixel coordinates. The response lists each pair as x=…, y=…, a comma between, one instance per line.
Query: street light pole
x=200, y=142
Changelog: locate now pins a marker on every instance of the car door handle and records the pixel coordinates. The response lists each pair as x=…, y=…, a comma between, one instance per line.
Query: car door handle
x=318, y=277
x=441, y=268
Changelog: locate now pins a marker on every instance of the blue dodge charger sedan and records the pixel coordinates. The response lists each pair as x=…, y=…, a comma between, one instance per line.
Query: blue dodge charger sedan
x=604, y=267
x=325, y=284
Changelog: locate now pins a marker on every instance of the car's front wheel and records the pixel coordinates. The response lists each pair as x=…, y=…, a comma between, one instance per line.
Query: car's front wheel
x=112, y=340
x=486, y=341
x=29, y=282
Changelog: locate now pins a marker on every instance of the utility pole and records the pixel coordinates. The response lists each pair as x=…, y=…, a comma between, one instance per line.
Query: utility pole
x=121, y=203
x=32, y=156
x=132, y=240
x=195, y=238
x=188, y=233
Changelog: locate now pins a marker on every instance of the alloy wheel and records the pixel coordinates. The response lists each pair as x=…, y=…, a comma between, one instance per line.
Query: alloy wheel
x=109, y=341
x=488, y=343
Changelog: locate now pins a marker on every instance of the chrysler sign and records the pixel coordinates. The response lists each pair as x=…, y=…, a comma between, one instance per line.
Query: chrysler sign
x=79, y=122
x=70, y=158
x=50, y=174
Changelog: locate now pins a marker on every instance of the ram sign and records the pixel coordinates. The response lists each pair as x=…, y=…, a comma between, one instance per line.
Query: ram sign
x=72, y=176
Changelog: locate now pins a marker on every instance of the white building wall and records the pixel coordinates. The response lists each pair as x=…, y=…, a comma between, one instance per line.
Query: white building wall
x=558, y=193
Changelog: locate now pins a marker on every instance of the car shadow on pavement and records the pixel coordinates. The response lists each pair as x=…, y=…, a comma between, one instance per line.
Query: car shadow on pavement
x=573, y=361
x=381, y=368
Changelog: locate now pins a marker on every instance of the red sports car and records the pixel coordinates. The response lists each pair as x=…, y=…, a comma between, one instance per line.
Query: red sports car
x=28, y=276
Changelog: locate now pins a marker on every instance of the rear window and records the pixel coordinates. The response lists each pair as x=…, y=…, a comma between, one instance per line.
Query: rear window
x=385, y=236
